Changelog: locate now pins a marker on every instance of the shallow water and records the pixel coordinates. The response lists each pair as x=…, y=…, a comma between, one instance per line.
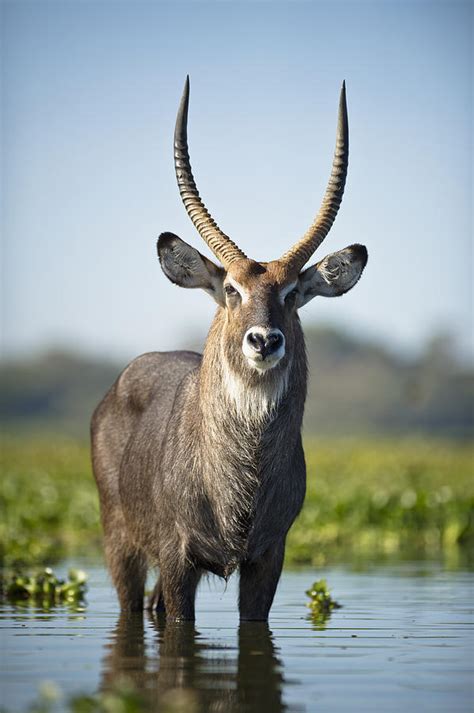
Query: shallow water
x=402, y=641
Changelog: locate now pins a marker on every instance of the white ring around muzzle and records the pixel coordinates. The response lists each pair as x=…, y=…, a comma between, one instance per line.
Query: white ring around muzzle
x=254, y=359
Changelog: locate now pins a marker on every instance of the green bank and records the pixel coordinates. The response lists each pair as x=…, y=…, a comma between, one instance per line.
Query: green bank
x=366, y=499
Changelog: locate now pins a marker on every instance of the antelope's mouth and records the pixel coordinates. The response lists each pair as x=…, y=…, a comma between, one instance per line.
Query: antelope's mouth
x=263, y=365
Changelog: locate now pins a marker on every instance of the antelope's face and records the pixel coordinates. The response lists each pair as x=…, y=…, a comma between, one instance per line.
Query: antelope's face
x=260, y=316
x=259, y=301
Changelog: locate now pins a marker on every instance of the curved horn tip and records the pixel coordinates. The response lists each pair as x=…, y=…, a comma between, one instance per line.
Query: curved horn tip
x=343, y=108
x=185, y=95
x=180, y=129
x=186, y=87
x=343, y=92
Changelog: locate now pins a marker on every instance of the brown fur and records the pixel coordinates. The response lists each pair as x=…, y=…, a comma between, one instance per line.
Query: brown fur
x=199, y=461
x=188, y=482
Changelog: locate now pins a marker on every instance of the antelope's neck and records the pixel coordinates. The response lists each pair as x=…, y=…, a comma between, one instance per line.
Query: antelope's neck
x=243, y=437
x=249, y=417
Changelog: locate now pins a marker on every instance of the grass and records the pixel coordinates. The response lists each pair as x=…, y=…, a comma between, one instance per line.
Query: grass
x=365, y=498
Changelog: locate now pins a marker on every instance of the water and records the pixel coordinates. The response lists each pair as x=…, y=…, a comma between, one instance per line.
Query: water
x=402, y=641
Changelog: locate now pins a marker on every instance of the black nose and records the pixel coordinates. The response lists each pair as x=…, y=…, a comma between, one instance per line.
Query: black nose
x=265, y=344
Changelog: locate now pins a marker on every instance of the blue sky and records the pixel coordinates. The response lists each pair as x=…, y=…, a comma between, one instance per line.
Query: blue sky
x=90, y=93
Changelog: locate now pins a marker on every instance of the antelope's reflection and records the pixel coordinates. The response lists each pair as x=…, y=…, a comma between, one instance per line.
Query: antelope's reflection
x=179, y=667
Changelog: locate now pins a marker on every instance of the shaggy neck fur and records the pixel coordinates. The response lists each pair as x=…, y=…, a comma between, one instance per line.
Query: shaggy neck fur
x=231, y=392
x=250, y=425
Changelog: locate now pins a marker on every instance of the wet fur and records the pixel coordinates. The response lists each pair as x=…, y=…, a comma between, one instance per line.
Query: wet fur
x=196, y=476
x=199, y=461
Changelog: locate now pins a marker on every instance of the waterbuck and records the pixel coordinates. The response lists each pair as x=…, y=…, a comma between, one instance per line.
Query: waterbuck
x=198, y=459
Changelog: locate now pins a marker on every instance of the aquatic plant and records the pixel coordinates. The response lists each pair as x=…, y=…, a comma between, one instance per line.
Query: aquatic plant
x=122, y=697
x=48, y=502
x=377, y=499
x=45, y=588
x=321, y=603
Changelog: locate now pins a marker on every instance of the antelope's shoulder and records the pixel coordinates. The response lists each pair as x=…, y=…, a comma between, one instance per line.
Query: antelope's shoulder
x=152, y=375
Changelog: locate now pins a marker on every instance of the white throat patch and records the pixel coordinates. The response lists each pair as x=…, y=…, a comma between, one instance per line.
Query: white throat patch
x=254, y=403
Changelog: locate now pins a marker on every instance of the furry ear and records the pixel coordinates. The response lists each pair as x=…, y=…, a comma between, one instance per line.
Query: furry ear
x=186, y=267
x=334, y=275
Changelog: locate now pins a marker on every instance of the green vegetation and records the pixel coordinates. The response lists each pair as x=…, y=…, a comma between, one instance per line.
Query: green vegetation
x=48, y=501
x=365, y=499
x=45, y=588
x=371, y=498
x=122, y=697
x=321, y=603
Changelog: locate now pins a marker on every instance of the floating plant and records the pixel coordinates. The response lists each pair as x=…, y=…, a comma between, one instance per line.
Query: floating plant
x=45, y=588
x=321, y=603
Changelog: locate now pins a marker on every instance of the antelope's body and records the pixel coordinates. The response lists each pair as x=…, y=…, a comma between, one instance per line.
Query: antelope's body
x=198, y=460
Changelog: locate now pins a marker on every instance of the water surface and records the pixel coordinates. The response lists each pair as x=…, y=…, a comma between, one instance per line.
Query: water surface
x=402, y=641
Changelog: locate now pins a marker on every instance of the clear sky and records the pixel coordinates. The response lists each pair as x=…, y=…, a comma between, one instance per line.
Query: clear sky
x=90, y=92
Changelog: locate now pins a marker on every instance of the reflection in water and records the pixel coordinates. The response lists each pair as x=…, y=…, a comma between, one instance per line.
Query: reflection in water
x=259, y=673
x=183, y=670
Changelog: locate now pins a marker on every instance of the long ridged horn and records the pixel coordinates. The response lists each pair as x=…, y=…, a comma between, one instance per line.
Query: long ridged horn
x=300, y=253
x=221, y=245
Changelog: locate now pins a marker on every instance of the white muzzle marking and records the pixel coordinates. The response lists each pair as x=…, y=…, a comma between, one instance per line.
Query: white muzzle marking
x=256, y=360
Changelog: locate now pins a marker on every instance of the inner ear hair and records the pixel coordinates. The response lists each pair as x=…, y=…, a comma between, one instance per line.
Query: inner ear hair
x=186, y=267
x=342, y=270
x=335, y=274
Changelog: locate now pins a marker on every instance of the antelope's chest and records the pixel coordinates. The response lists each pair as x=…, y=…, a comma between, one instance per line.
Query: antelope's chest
x=243, y=523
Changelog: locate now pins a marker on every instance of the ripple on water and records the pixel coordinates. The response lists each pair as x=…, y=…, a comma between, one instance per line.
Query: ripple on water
x=401, y=641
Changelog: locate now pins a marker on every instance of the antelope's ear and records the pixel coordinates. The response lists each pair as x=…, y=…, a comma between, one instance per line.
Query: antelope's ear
x=186, y=267
x=335, y=274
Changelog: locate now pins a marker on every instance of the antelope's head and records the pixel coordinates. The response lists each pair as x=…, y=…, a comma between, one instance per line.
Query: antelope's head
x=259, y=300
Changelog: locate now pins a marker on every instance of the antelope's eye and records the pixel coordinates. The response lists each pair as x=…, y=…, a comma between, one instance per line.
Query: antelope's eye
x=291, y=295
x=229, y=290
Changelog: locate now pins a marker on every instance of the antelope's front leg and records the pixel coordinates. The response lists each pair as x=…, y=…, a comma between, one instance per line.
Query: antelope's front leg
x=258, y=583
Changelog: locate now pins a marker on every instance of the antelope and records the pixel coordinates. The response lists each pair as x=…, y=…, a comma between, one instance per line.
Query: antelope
x=198, y=459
